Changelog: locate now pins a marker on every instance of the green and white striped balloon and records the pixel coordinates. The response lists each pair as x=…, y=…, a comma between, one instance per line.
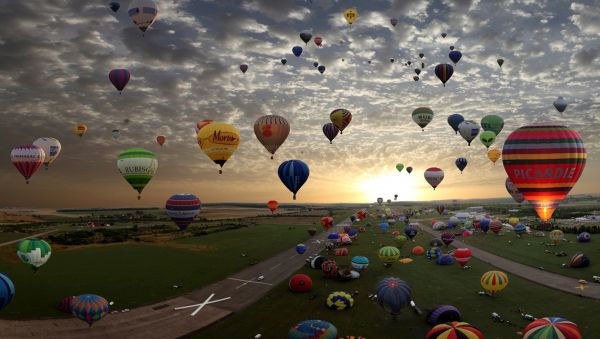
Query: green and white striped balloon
x=137, y=166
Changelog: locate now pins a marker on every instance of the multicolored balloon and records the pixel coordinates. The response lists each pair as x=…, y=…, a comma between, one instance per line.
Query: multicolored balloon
x=494, y=281
x=313, y=329
x=447, y=238
x=80, y=129
x=182, y=209
x=514, y=191
x=469, y=130
x=27, y=159
x=462, y=256
x=51, y=147
x=34, y=252
x=422, y=116
x=293, y=174
x=544, y=162
x=389, y=255
x=340, y=118
x=300, y=248
x=90, y=308
x=119, y=78
x=219, y=140
x=454, y=329
x=350, y=14
x=551, y=327
x=142, y=13
x=271, y=131
x=434, y=176
x=579, y=260
x=444, y=72
x=340, y=300
x=137, y=166
x=360, y=263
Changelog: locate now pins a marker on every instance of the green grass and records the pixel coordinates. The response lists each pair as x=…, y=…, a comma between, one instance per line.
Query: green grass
x=8, y=236
x=432, y=285
x=134, y=274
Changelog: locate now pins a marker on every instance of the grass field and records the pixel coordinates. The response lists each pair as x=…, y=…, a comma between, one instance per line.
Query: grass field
x=133, y=274
x=431, y=285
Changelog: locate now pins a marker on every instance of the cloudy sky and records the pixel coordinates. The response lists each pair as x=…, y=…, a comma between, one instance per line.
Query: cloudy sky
x=55, y=57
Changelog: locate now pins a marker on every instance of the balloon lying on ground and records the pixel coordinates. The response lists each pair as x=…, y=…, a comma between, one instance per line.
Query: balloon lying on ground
x=454, y=329
x=340, y=300
x=300, y=283
x=313, y=329
x=551, y=327
x=443, y=314
x=579, y=260
x=494, y=281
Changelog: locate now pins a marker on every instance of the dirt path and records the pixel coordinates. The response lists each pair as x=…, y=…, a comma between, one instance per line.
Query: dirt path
x=27, y=237
x=549, y=279
x=161, y=320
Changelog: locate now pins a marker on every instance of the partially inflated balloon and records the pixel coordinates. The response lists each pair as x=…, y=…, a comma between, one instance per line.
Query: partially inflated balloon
x=444, y=72
x=492, y=123
x=142, y=13
x=454, y=120
x=119, y=78
x=293, y=174
x=487, y=138
x=161, y=139
x=469, y=130
x=560, y=104
x=330, y=131
x=182, y=209
x=434, y=176
x=422, y=116
x=80, y=129
x=137, y=166
x=350, y=14
x=399, y=167
x=494, y=281
x=494, y=155
x=514, y=191
x=51, y=147
x=219, y=140
x=272, y=205
x=461, y=163
x=271, y=131
x=340, y=118
x=27, y=159
x=243, y=68
x=544, y=162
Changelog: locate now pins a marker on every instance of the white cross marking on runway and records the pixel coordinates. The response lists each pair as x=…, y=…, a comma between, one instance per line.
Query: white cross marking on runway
x=201, y=305
x=249, y=281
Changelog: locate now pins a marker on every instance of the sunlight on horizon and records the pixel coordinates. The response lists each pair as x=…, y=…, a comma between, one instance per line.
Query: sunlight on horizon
x=385, y=186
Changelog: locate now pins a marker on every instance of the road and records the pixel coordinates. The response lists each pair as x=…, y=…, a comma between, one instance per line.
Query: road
x=27, y=237
x=162, y=320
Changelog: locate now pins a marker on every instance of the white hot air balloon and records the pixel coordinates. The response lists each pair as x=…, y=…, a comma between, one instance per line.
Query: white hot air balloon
x=142, y=13
x=469, y=130
x=51, y=147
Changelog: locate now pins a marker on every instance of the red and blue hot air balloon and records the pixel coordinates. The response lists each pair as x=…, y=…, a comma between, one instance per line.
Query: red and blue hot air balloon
x=444, y=72
x=297, y=50
x=182, y=208
x=455, y=56
x=119, y=78
x=293, y=174
x=90, y=308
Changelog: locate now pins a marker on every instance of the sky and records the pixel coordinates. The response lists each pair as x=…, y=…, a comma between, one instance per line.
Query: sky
x=55, y=56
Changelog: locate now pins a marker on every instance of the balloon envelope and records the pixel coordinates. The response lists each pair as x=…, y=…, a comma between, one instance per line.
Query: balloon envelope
x=142, y=13
x=183, y=208
x=137, y=166
x=218, y=141
x=297, y=50
x=51, y=147
x=340, y=118
x=7, y=290
x=444, y=72
x=422, y=116
x=560, y=104
x=469, y=130
x=455, y=56
x=350, y=14
x=434, y=176
x=293, y=174
x=461, y=163
x=492, y=123
x=271, y=131
x=119, y=78
x=551, y=327
x=34, y=252
x=487, y=138
x=27, y=159
x=330, y=131
x=393, y=294
x=454, y=120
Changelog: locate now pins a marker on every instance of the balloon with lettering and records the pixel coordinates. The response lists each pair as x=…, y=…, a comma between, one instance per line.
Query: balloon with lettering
x=318, y=41
x=444, y=72
x=293, y=174
x=161, y=139
x=27, y=159
x=461, y=163
x=454, y=120
x=487, y=138
x=494, y=154
x=330, y=131
x=142, y=13
x=340, y=118
x=544, y=162
x=243, y=68
x=469, y=130
x=434, y=176
x=560, y=104
x=182, y=209
x=350, y=14
x=119, y=78
x=137, y=166
x=271, y=131
x=80, y=129
x=219, y=140
x=514, y=191
x=51, y=147
x=422, y=116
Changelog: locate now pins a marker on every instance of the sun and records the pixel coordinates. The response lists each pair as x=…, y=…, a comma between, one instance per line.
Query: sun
x=386, y=186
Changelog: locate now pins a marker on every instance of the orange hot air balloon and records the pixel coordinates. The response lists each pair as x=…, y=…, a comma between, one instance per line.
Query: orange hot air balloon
x=544, y=162
x=161, y=139
x=272, y=205
x=327, y=222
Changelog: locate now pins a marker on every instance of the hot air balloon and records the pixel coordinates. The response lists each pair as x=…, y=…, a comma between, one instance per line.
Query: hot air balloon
x=243, y=68
x=161, y=139
x=116, y=133
x=119, y=78
x=313, y=329
x=350, y=14
x=551, y=327
x=384, y=226
x=556, y=236
x=305, y=36
x=461, y=163
x=272, y=205
x=114, y=6
x=339, y=300
x=7, y=290
x=318, y=41
x=579, y=260
x=34, y=252
x=417, y=71
x=544, y=162
x=584, y=237
x=51, y=147
x=380, y=201
x=560, y=104
x=300, y=248
x=416, y=78
x=444, y=34
x=330, y=131
x=462, y=256
x=340, y=118
x=316, y=64
x=399, y=167
x=514, y=191
x=293, y=174
x=393, y=294
x=201, y=124
x=520, y=229
x=492, y=123
x=90, y=308
x=283, y=61
x=297, y=50
x=500, y=62
x=455, y=56
x=300, y=283
x=487, y=138
x=395, y=196
x=271, y=131
x=434, y=176
x=440, y=208
x=422, y=116
x=394, y=21
x=418, y=250
x=447, y=238
x=469, y=130
x=330, y=268
x=219, y=140
x=409, y=169
x=454, y=120
x=65, y=305
x=321, y=69
x=444, y=72
x=454, y=329
x=389, y=255
x=494, y=155
x=494, y=281
x=142, y=13
x=392, y=60
x=410, y=231
x=360, y=263
x=137, y=166
x=451, y=48
x=443, y=314
x=182, y=209
x=80, y=129
x=27, y=159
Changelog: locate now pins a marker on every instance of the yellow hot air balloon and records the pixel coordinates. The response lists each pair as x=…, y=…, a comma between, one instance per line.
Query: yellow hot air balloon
x=218, y=140
x=494, y=154
x=80, y=129
x=350, y=14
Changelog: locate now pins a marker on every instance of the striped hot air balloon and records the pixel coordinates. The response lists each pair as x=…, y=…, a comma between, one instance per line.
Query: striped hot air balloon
x=544, y=162
x=444, y=72
x=434, y=176
x=137, y=166
x=494, y=281
x=293, y=174
x=389, y=255
x=119, y=78
x=422, y=116
x=27, y=159
x=183, y=208
x=454, y=329
x=551, y=327
x=340, y=118
x=90, y=308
